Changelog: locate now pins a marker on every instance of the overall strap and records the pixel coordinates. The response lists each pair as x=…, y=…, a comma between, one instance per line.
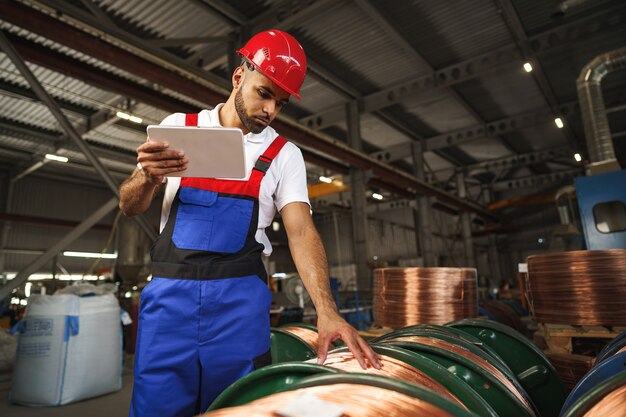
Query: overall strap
x=191, y=119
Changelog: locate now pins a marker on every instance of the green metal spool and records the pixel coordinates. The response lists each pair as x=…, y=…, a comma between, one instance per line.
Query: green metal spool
x=456, y=386
x=533, y=370
x=464, y=340
x=286, y=347
x=499, y=397
x=385, y=383
x=467, y=337
x=267, y=381
x=593, y=396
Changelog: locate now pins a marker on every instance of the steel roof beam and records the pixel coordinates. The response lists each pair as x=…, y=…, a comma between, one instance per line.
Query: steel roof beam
x=511, y=19
x=504, y=58
x=478, y=131
x=282, y=15
x=93, y=46
x=537, y=180
x=107, y=38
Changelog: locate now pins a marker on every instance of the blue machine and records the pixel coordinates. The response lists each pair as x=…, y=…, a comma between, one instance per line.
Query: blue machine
x=353, y=310
x=602, y=204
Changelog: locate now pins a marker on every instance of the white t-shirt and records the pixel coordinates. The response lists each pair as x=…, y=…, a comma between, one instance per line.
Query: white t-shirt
x=284, y=182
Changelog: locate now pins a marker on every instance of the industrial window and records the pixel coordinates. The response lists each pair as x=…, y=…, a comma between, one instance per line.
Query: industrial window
x=610, y=217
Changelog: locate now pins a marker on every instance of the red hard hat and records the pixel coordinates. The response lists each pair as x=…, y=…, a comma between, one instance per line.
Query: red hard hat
x=280, y=57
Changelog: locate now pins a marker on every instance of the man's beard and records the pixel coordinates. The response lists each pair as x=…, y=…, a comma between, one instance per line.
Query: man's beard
x=250, y=123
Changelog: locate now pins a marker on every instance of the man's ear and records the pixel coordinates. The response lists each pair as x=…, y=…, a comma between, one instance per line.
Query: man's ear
x=238, y=75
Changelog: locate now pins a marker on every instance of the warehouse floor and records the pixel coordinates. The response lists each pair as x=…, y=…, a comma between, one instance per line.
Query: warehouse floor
x=112, y=405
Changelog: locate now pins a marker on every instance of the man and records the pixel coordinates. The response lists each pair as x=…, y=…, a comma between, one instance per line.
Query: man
x=204, y=318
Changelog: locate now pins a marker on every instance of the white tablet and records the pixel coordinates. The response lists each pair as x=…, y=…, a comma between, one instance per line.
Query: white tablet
x=213, y=152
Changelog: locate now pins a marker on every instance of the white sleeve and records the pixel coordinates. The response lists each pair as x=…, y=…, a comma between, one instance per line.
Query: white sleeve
x=292, y=184
x=174, y=119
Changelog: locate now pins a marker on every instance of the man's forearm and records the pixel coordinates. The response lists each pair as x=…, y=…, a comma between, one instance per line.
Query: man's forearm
x=137, y=193
x=310, y=259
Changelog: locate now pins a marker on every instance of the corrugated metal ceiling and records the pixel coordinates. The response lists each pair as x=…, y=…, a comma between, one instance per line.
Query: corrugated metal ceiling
x=352, y=46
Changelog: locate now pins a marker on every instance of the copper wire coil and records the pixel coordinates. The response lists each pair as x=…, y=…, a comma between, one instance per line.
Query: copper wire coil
x=356, y=400
x=307, y=335
x=408, y=296
x=579, y=287
x=613, y=405
x=390, y=367
x=471, y=356
x=571, y=368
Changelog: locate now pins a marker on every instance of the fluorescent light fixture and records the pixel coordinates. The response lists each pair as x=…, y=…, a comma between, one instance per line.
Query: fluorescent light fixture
x=275, y=226
x=327, y=180
x=56, y=158
x=577, y=157
x=90, y=255
x=279, y=275
x=128, y=117
x=528, y=67
x=377, y=196
x=559, y=123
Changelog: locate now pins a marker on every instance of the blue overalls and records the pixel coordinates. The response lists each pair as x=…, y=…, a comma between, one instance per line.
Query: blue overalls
x=204, y=316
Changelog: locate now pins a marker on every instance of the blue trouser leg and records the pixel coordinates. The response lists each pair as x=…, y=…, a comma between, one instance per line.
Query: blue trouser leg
x=194, y=339
x=237, y=333
x=167, y=374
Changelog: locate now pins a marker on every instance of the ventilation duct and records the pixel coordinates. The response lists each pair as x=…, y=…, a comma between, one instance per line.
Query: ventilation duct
x=595, y=120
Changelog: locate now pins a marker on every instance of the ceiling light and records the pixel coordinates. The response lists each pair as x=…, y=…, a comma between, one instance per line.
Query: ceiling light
x=128, y=117
x=90, y=255
x=56, y=158
x=577, y=157
x=377, y=196
x=528, y=67
x=559, y=123
x=327, y=180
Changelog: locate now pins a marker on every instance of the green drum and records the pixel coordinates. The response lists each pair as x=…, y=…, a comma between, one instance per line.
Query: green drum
x=498, y=395
x=287, y=347
x=390, y=384
x=533, y=370
x=267, y=381
x=457, y=337
x=456, y=386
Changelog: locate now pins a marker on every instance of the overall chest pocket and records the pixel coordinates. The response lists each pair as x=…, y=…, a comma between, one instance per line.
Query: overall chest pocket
x=208, y=222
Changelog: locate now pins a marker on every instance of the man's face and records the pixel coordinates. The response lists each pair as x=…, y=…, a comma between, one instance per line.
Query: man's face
x=258, y=100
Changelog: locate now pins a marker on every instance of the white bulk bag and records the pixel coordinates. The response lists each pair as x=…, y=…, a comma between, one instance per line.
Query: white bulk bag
x=69, y=348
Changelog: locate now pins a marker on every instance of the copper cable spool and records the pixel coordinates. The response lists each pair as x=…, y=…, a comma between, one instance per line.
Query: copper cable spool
x=578, y=287
x=307, y=335
x=408, y=296
x=571, y=368
x=356, y=400
x=613, y=405
x=461, y=351
x=390, y=367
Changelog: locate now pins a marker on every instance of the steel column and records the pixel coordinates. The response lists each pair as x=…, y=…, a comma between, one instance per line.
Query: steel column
x=466, y=229
x=423, y=229
x=358, y=181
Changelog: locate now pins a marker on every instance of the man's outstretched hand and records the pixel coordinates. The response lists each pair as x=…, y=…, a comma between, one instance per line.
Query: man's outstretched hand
x=332, y=327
